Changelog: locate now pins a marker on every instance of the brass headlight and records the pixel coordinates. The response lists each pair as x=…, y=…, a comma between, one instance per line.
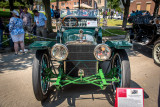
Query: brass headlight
x=102, y=52
x=59, y=52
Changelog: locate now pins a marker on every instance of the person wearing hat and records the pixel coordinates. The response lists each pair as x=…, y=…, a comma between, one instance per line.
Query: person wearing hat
x=16, y=31
x=27, y=20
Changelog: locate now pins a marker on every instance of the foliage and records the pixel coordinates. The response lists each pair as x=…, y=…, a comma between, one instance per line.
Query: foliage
x=114, y=4
x=16, y=4
x=6, y=4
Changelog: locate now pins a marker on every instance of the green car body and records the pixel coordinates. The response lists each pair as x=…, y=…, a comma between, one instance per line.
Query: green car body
x=105, y=73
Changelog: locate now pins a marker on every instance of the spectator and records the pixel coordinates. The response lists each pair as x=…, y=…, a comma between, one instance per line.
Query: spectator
x=40, y=21
x=138, y=13
x=1, y=32
x=147, y=13
x=27, y=20
x=20, y=10
x=57, y=15
x=133, y=13
x=112, y=12
x=116, y=13
x=52, y=11
x=104, y=14
x=68, y=11
x=16, y=31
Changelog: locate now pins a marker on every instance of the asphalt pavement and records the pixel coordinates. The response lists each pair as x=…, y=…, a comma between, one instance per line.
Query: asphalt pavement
x=16, y=83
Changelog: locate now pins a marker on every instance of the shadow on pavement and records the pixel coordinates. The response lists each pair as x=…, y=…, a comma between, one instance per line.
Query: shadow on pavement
x=9, y=61
x=135, y=85
x=140, y=49
x=72, y=93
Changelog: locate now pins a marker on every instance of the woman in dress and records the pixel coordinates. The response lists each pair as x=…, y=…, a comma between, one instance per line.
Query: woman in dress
x=16, y=31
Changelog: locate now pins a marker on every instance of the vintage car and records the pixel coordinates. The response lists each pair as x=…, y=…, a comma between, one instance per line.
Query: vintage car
x=156, y=52
x=80, y=56
x=146, y=30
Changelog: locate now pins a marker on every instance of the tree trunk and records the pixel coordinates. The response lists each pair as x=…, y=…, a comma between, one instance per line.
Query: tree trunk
x=57, y=4
x=11, y=6
x=126, y=4
x=156, y=8
x=125, y=16
x=48, y=14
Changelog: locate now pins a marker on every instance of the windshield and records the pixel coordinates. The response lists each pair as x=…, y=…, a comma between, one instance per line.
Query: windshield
x=80, y=36
x=80, y=13
x=79, y=18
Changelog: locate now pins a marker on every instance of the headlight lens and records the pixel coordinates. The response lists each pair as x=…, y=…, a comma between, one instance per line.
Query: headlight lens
x=59, y=52
x=102, y=52
x=96, y=29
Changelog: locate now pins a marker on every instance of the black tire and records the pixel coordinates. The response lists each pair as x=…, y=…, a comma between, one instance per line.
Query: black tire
x=125, y=78
x=36, y=76
x=156, y=53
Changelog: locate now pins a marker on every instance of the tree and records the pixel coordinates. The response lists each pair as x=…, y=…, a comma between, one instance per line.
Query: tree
x=126, y=4
x=11, y=5
x=156, y=8
x=48, y=14
x=114, y=4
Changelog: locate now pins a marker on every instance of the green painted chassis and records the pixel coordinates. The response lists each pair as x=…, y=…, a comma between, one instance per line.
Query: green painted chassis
x=61, y=79
x=98, y=79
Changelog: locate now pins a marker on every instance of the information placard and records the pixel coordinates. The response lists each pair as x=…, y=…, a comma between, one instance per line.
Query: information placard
x=129, y=97
x=91, y=23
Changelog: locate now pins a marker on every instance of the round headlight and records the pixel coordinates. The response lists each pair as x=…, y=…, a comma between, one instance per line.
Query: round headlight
x=102, y=52
x=96, y=29
x=59, y=52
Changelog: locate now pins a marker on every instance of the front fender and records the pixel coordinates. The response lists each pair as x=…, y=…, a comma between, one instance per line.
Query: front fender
x=41, y=45
x=119, y=44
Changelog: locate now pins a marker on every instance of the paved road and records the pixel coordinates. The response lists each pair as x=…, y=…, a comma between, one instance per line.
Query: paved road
x=16, y=83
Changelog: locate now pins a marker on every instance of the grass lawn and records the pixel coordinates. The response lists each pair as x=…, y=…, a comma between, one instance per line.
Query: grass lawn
x=113, y=22
x=114, y=31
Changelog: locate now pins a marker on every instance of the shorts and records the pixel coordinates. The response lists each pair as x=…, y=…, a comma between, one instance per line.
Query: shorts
x=17, y=38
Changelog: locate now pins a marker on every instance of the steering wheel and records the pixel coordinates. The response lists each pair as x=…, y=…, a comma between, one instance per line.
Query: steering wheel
x=72, y=17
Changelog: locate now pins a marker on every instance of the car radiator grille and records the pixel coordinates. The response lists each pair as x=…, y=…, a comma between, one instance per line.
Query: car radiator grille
x=81, y=52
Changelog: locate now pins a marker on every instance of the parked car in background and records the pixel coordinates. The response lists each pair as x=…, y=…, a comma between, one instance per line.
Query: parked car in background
x=117, y=16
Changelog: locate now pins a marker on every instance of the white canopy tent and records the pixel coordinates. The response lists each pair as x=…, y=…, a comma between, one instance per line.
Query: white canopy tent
x=83, y=6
